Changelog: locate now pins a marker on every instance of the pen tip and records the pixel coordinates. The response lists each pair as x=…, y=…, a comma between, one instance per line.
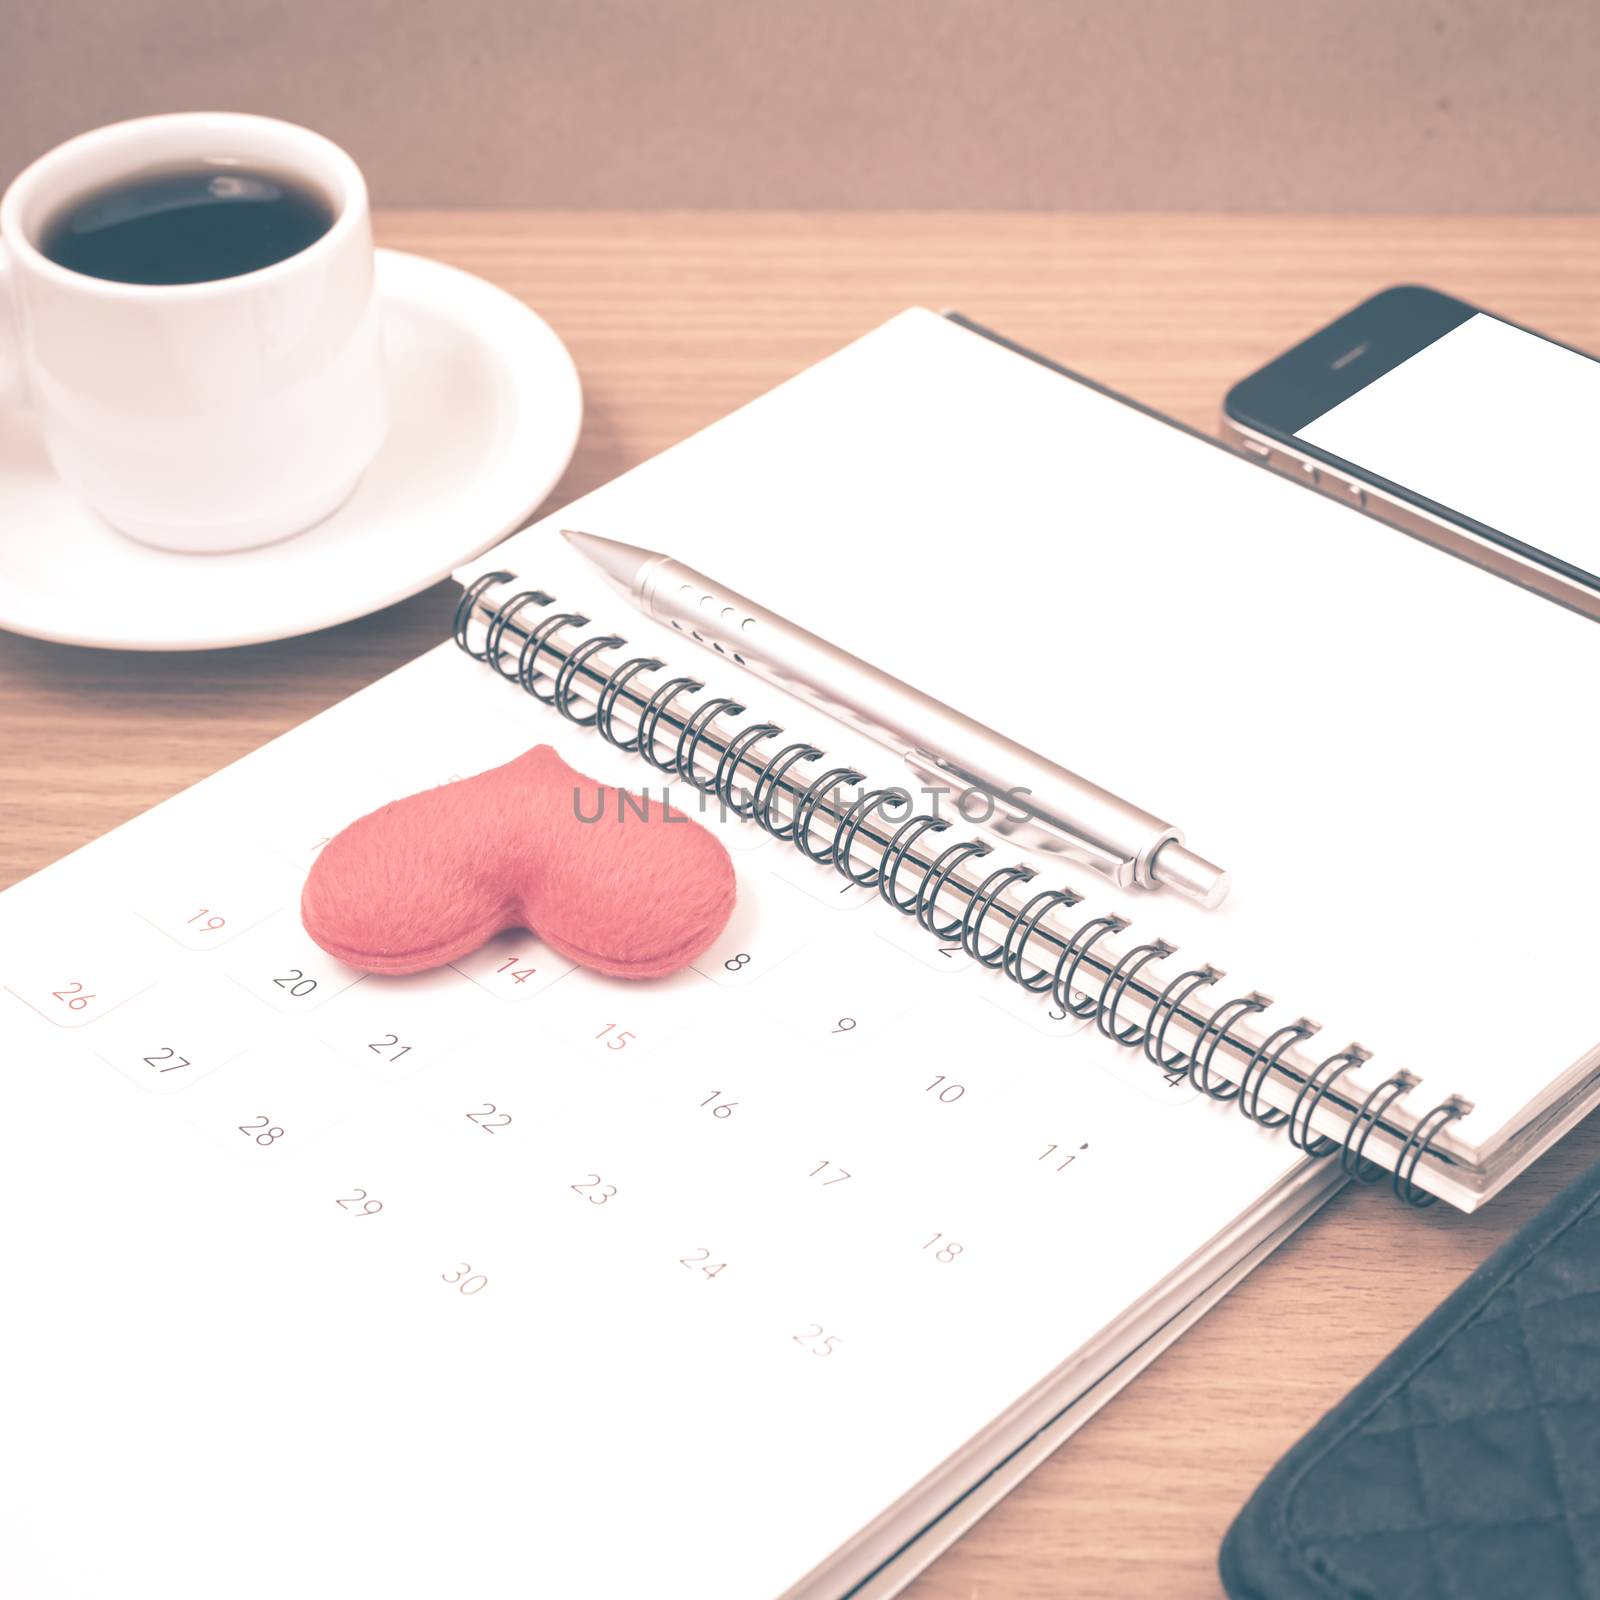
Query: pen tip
x=591, y=546
x=619, y=562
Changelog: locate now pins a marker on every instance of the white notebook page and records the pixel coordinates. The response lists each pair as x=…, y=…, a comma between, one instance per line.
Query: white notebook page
x=508, y=1279
x=1392, y=751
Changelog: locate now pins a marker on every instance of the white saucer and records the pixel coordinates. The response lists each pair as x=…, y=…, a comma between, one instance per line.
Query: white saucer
x=486, y=406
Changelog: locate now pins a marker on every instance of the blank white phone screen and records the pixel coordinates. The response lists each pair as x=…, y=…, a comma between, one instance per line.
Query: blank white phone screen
x=1492, y=422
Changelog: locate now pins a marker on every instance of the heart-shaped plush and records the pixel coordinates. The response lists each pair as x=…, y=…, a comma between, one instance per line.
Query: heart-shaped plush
x=533, y=845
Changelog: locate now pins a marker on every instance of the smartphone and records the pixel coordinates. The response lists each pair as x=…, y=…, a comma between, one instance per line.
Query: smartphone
x=1457, y=426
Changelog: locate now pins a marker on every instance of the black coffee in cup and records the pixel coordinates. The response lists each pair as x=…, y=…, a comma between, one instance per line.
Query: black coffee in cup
x=187, y=225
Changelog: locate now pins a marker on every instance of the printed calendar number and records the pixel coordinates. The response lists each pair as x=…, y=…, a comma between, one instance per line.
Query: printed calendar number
x=754, y=942
x=171, y=1036
x=719, y=1105
x=699, y=1260
x=489, y=1118
x=464, y=1280
x=270, y=1098
x=838, y=1007
x=1039, y=1011
x=1169, y=1086
x=619, y=1021
x=821, y=883
x=358, y=1204
x=815, y=1338
x=733, y=967
x=1060, y=1157
x=205, y=926
x=285, y=969
x=944, y=1090
x=594, y=1189
x=302, y=845
x=514, y=966
x=826, y=1173
x=204, y=903
x=613, y=1036
x=944, y=1250
x=72, y=996
x=296, y=826
x=393, y=1027
x=907, y=935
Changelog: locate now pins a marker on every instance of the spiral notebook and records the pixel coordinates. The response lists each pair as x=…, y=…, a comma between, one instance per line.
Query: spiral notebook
x=1388, y=747
x=769, y=1278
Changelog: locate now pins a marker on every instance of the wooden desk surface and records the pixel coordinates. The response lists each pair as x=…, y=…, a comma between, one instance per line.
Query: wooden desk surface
x=674, y=319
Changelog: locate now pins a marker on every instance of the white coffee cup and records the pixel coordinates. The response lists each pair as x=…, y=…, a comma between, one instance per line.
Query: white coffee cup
x=202, y=416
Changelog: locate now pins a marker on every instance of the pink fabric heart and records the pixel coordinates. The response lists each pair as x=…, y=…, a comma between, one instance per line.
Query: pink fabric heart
x=426, y=880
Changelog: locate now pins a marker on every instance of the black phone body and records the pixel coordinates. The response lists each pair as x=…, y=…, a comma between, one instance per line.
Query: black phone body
x=1460, y=427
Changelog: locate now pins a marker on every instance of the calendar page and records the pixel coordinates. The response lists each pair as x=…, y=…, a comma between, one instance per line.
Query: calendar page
x=510, y=1280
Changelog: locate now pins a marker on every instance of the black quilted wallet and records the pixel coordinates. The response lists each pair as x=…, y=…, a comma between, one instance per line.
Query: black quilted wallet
x=1467, y=1466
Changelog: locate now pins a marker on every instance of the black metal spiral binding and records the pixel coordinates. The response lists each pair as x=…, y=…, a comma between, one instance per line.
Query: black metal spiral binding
x=1081, y=979
x=1418, y=1145
x=800, y=834
x=694, y=730
x=1266, y=1059
x=979, y=906
x=844, y=837
x=894, y=856
x=934, y=880
x=1367, y=1118
x=728, y=767
x=1171, y=1001
x=1072, y=958
x=1022, y=930
x=467, y=604
x=503, y=619
x=571, y=667
x=650, y=719
x=528, y=673
x=1116, y=985
x=1317, y=1086
x=1215, y=1031
x=611, y=691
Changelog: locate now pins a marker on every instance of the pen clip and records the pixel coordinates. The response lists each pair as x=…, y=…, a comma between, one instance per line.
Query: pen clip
x=1006, y=818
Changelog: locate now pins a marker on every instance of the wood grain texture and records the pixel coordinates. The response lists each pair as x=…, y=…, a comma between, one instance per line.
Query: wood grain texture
x=676, y=318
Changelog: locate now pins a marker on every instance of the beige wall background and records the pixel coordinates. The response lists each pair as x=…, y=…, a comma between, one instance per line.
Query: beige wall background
x=1358, y=105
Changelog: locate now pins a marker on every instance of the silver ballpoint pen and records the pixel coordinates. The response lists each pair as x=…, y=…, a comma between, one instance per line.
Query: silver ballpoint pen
x=1056, y=811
